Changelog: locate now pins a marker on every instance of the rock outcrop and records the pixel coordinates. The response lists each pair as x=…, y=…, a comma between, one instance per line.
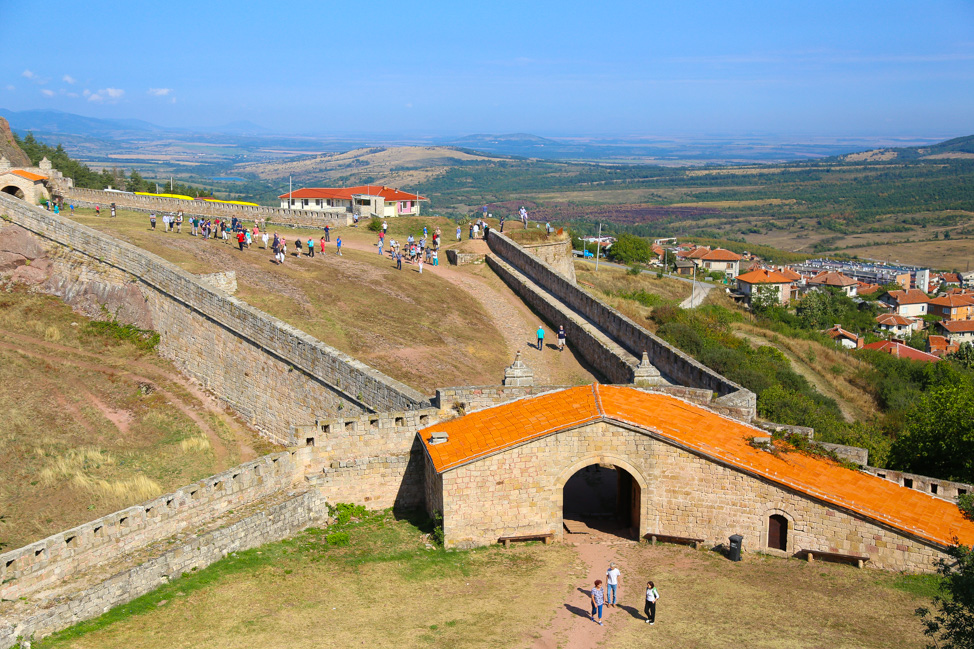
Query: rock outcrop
x=9, y=149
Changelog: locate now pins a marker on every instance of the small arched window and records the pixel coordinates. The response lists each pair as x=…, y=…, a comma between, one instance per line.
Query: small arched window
x=777, y=532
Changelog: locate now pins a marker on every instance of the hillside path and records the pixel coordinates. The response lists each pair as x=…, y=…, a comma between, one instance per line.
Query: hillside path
x=803, y=370
x=512, y=318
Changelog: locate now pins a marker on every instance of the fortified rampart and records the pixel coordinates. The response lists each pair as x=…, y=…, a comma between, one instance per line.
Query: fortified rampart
x=273, y=215
x=556, y=254
x=617, y=365
x=272, y=373
x=50, y=562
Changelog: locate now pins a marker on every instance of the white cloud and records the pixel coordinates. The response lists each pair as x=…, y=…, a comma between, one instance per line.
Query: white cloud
x=27, y=74
x=68, y=79
x=86, y=92
x=160, y=92
x=73, y=94
x=105, y=94
x=11, y=87
x=47, y=93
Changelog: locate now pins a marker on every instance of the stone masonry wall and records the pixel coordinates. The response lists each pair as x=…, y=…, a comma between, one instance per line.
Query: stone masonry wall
x=276, y=216
x=519, y=491
x=944, y=489
x=373, y=460
x=272, y=373
x=634, y=338
x=63, y=555
x=277, y=522
x=557, y=255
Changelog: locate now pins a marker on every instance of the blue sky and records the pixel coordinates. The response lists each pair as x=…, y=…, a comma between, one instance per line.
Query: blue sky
x=683, y=68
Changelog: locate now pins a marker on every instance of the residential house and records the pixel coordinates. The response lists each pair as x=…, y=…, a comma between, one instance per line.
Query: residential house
x=911, y=303
x=940, y=346
x=835, y=280
x=845, y=338
x=900, y=350
x=751, y=283
x=865, y=289
x=952, y=307
x=364, y=200
x=956, y=331
x=685, y=267
x=895, y=324
x=950, y=279
x=719, y=260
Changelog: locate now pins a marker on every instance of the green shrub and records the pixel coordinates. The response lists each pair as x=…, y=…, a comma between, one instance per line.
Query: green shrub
x=375, y=225
x=338, y=538
x=142, y=338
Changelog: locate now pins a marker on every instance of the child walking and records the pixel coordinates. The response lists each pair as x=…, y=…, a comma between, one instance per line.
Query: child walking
x=652, y=596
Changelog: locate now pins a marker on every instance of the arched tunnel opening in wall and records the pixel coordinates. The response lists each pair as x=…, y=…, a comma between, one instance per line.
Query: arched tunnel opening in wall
x=602, y=500
x=14, y=191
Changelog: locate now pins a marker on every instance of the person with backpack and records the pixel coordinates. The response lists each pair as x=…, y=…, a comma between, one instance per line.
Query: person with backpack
x=652, y=596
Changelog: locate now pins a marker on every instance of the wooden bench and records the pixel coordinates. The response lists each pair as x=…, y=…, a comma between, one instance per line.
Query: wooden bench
x=546, y=538
x=838, y=557
x=680, y=540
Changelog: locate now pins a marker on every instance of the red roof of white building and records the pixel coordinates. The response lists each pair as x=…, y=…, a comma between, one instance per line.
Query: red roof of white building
x=719, y=254
x=763, y=276
x=346, y=193
x=911, y=296
x=830, y=278
x=892, y=319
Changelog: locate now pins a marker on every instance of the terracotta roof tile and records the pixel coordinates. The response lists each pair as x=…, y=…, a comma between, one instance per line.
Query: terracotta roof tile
x=346, y=193
x=953, y=301
x=901, y=351
x=831, y=278
x=763, y=276
x=957, y=326
x=699, y=430
x=27, y=174
x=719, y=254
x=911, y=296
x=892, y=319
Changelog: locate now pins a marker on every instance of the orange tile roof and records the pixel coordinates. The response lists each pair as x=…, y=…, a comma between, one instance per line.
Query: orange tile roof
x=719, y=254
x=900, y=350
x=701, y=431
x=831, y=278
x=789, y=273
x=763, y=276
x=957, y=326
x=346, y=193
x=865, y=288
x=953, y=301
x=890, y=319
x=699, y=253
x=27, y=174
x=911, y=296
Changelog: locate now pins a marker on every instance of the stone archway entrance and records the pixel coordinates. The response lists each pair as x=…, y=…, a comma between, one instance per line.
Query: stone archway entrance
x=602, y=499
x=14, y=191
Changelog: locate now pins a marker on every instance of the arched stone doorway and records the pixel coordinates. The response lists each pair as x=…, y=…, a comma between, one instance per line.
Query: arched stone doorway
x=602, y=499
x=14, y=191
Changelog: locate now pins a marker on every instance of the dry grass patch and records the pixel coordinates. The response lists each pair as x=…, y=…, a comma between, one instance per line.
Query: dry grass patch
x=385, y=588
x=707, y=601
x=78, y=436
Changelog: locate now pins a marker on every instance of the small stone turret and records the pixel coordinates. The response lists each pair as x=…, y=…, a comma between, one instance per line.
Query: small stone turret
x=518, y=374
x=646, y=373
x=45, y=164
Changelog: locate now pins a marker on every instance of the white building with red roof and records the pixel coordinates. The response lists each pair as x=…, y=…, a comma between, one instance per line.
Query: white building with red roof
x=364, y=200
x=750, y=284
x=719, y=260
x=895, y=324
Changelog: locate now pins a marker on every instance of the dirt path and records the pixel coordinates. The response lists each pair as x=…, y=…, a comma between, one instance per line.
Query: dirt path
x=802, y=369
x=698, y=295
x=512, y=318
x=152, y=375
x=572, y=626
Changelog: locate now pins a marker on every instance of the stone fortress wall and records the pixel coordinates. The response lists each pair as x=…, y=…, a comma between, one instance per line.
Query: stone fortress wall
x=270, y=372
x=548, y=292
x=274, y=216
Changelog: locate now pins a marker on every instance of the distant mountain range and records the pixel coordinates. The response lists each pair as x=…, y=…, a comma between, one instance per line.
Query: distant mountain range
x=92, y=137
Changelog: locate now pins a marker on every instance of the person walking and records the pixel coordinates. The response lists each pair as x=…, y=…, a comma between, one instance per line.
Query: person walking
x=152, y=220
x=385, y=226
x=540, y=338
x=264, y=237
x=322, y=242
x=398, y=260
x=311, y=248
x=598, y=598
x=502, y=222
x=327, y=233
x=241, y=240
x=113, y=210
x=458, y=232
x=612, y=583
x=421, y=265
x=338, y=245
x=179, y=223
x=561, y=345
x=652, y=596
x=97, y=211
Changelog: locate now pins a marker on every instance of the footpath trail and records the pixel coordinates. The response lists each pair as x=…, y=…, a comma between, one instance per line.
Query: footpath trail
x=572, y=626
x=513, y=319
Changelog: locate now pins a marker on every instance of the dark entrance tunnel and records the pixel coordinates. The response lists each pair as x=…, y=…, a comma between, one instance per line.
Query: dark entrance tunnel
x=605, y=498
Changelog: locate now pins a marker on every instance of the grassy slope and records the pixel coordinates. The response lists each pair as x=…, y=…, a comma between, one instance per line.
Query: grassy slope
x=78, y=439
x=388, y=589
x=419, y=329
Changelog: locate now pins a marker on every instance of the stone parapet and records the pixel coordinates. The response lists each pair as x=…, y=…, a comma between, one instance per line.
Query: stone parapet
x=944, y=489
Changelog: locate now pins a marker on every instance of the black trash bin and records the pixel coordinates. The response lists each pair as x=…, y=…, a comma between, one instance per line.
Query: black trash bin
x=734, y=552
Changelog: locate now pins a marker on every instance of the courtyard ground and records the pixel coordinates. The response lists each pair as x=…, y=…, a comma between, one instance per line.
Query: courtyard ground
x=389, y=588
x=448, y=326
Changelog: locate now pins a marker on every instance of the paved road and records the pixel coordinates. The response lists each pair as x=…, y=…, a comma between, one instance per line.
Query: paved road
x=695, y=300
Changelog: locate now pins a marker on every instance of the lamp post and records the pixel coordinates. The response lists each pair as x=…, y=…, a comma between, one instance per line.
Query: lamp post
x=598, y=248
